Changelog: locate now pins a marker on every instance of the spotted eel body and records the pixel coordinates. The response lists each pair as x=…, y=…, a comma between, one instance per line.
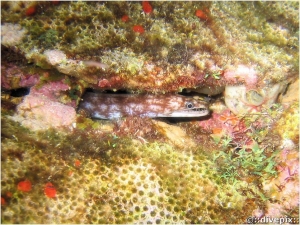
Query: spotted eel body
x=112, y=106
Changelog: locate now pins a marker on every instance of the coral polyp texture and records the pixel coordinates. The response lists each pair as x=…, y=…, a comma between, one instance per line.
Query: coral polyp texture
x=133, y=183
x=177, y=49
x=238, y=161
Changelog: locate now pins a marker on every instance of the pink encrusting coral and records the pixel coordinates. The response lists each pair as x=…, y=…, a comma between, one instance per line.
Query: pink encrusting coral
x=52, y=91
x=42, y=109
x=41, y=113
x=29, y=80
x=242, y=73
x=12, y=76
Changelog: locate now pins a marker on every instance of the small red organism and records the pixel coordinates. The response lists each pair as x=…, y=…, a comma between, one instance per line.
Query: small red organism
x=138, y=29
x=9, y=194
x=24, y=186
x=200, y=14
x=3, y=202
x=30, y=11
x=125, y=18
x=103, y=83
x=77, y=163
x=117, y=82
x=147, y=8
x=50, y=190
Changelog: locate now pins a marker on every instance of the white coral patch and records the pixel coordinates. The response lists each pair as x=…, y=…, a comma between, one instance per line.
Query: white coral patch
x=12, y=34
x=55, y=57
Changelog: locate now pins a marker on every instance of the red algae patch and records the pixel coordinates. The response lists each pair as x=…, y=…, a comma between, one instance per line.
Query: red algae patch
x=147, y=8
x=24, y=186
x=30, y=11
x=201, y=14
x=50, y=190
x=138, y=29
x=125, y=18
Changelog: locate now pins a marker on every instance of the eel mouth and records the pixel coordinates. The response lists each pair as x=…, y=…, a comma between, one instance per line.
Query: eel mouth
x=194, y=112
x=200, y=109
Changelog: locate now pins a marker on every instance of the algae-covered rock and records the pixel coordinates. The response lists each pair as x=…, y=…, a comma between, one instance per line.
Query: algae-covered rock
x=288, y=125
x=221, y=168
x=111, y=180
x=178, y=48
x=242, y=100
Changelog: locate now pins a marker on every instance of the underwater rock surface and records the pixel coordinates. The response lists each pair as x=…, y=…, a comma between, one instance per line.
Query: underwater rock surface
x=238, y=42
x=241, y=160
x=242, y=100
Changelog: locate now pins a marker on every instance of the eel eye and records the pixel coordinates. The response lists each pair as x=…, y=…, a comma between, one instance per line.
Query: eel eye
x=189, y=105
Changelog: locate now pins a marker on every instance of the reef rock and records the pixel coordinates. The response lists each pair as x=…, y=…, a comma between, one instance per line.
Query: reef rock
x=241, y=100
x=41, y=109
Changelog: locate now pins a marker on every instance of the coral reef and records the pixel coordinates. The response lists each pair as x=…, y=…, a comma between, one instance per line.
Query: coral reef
x=43, y=108
x=238, y=38
x=241, y=160
x=131, y=174
x=120, y=182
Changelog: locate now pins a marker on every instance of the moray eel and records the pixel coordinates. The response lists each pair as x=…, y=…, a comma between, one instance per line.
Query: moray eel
x=113, y=106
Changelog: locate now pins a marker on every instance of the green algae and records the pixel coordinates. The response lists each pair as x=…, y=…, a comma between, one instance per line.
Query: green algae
x=239, y=164
x=49, y=38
